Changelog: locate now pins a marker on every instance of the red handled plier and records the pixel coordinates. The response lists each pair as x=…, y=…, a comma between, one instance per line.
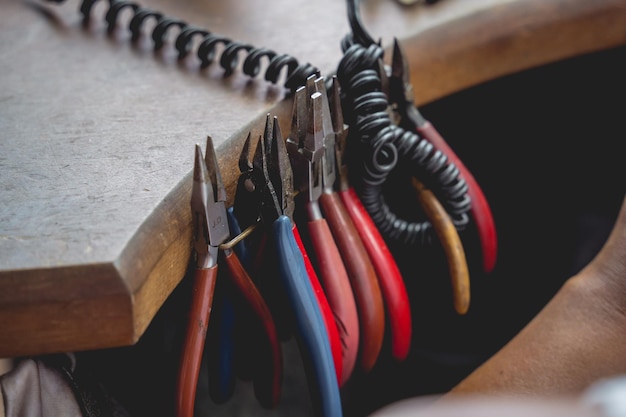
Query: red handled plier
x=305, y=146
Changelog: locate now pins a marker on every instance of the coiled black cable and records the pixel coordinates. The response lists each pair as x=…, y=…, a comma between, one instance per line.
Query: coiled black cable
x=379, y=147
x=207, y=51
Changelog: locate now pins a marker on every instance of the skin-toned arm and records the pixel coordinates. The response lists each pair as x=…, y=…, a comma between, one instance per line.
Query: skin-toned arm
x=578, y=337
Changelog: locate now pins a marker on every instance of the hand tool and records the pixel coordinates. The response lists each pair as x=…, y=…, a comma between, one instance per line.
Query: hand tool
x=276, y=191
x=232, y=356
x=397, y=304
x=402, y=100
x=441, y=222
x=256, y=181
x=305, y=150
x=361, y=272
x=210, y=228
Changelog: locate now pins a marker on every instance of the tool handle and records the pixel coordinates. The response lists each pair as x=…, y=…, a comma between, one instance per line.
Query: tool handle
x=451, y=243
x=195, y=336
x=336, y=284
x=362, y=276
x=394, y=292
x=311, y=333
x=222, y=375
x=332, y=330
x=268, y=388
x=480, y=210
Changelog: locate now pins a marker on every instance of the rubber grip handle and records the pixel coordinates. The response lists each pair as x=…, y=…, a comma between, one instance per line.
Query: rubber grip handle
x=267, y=388
x=451, y=243
x=327, y=314
x=367, y=293
x=310, y=333
x=195, y=336
x=396, y=298
x=222, y=375
x=480, y=210
x=336, y=284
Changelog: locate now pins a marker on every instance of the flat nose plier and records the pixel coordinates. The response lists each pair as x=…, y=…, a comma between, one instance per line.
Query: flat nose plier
x=305, y=146
x=210, y=230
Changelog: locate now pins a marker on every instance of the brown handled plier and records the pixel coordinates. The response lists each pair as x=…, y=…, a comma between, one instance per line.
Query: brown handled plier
x=210, y=230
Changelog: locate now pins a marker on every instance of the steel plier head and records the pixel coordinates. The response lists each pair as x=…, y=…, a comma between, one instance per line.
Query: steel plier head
x=208, y=196
x=311, y=142
x=396, y=84
x=266, y=188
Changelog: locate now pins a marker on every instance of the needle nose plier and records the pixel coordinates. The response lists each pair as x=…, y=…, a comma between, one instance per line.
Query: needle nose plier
x=210, y=231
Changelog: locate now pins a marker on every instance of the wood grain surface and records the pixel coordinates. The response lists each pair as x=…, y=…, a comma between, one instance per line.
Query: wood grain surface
x=97, y=134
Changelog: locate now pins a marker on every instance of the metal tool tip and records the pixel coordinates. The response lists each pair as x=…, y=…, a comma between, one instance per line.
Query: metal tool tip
x=199, y=167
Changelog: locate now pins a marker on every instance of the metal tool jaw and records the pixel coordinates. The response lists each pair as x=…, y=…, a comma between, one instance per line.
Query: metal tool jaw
x=210, y=224
x=311, y=143
x=247, y=204
x=399, y=90
x=341, y=135
x=272, y=175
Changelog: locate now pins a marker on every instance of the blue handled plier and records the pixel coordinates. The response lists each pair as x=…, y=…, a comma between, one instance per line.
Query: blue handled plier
x=273, y=187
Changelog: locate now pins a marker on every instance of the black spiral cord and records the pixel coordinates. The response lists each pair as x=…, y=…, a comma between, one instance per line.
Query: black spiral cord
x=207, y=50
x=378, y=147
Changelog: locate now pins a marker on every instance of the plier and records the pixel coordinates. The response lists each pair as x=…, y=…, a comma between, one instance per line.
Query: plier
x=210, y=230
x=275, y=192
x=305, y=146
x=328, y=317
x=440, y=220
x=397, y=304
x=401, y=98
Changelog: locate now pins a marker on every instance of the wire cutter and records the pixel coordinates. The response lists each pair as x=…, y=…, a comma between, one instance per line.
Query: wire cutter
x=275, y=191
x=401, y=98
x=210, y=230
x=305, y=149
x=320, y=296
x=397, y=304
x=440, y=220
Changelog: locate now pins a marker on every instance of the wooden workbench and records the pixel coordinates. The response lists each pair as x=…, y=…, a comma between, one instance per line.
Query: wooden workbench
x=97, y=135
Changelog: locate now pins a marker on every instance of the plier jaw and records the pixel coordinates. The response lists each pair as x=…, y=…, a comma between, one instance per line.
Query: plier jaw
x=311, y=143
x=274, y=183
x=210, y=225
x=400, y=90
x=341, y=134
x=247, y=204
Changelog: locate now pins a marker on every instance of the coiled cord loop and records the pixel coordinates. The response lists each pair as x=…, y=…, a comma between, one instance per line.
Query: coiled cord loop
x=383, y=147
x=207, y=51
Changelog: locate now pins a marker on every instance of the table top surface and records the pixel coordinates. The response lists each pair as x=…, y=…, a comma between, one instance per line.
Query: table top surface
x=97, y=136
